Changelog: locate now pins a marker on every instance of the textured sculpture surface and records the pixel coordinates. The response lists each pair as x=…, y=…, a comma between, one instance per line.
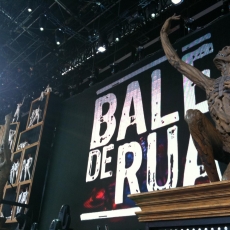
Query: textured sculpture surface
x=212, y=142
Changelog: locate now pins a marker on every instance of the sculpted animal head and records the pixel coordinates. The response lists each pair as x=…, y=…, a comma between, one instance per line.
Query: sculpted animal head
x=222, y=59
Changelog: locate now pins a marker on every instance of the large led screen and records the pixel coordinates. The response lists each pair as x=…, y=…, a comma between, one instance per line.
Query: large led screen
x=128, y=135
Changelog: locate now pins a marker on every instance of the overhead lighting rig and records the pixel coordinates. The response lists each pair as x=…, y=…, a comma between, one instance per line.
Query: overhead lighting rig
x=148, y=10
x=177, y=2
x=65, y=29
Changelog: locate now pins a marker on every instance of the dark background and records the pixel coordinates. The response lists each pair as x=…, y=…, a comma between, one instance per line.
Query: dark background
x=66, y=182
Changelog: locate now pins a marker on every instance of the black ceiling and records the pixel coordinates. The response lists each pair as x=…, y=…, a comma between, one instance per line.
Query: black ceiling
x=30, y=59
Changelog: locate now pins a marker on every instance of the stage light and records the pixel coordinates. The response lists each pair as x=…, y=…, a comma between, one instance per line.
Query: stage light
x=176, y=2
x=29, y=7
x=117, y=32
x=102, y=43
x=153, y=15
x=42, y=22
x=59, y=37
x=101, y=48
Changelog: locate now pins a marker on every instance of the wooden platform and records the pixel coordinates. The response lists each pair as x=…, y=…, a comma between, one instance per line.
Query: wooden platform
x=200, y=201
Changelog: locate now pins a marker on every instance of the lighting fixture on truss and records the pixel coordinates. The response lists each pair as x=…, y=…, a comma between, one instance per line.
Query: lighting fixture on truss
x=59, y=36
x=102, y=43
x=176, y=2
x=29, y=8
x=101, y=48
x=42, y=22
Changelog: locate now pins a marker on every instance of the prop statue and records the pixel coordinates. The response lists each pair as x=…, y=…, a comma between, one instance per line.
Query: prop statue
x=17, y=112
x=212, y=142
x=16, y=168
x=12, y=173
x=5, y=162
x=11, y=137
x=27, y=167
x=42, y=96
x=48, y=89
x=23, y=169
x=31, y=118
x=22, y=198
x=23, y=145
x=19, y=201
x=35, y=116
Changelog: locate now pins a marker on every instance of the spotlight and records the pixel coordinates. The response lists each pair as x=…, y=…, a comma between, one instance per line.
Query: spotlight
x=29, y=8
x=102, y=43
x=153, y=15
x=101, y=48
x=42, y=22
x=117, y=32
x=176, y=2
x=188, y=23
x=59, y=37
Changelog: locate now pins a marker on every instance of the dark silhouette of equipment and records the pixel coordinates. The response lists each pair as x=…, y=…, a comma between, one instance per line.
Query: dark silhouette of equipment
x=64, y=216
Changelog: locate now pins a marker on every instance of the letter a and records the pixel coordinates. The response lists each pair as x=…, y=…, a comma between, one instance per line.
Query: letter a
x=133, y=94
